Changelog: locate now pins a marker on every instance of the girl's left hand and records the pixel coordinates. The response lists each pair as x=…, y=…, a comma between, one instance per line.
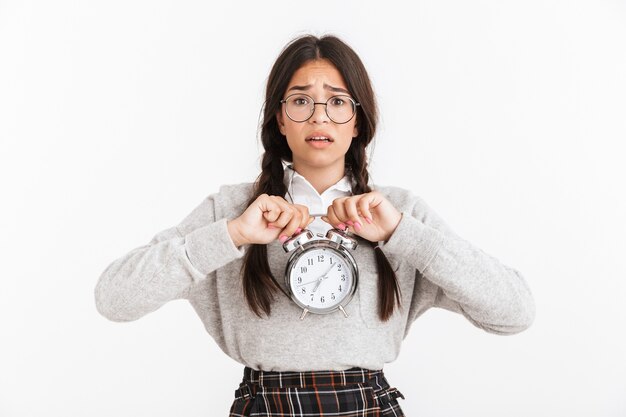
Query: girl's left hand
x=370, y=216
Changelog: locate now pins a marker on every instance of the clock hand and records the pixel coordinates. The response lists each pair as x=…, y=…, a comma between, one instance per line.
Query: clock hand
x=319, y=281
x=323, y=277
x=308, y=282
x=328, y=270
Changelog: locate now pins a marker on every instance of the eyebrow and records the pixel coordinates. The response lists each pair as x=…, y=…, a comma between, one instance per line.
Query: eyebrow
x=326, y=86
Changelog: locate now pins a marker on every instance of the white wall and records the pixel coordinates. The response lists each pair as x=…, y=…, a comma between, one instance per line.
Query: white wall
x=117, y=118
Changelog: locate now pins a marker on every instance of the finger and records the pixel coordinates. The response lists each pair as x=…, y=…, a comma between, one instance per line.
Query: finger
x=364, y=207
x=339, y=209
x=291, y=227
x=300, y=212
x=306, y=218
x=284, y=218
x=350, y=207
x=339, y=226
x=270, y=209
x=331, y=218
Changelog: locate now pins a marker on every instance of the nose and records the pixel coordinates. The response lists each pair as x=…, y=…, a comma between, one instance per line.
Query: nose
x=319, y=113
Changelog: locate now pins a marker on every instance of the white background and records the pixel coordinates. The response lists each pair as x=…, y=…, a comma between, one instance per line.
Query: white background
x=117, y=118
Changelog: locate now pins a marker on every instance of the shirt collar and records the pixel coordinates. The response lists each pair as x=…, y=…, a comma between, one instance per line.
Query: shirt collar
x=292, y=177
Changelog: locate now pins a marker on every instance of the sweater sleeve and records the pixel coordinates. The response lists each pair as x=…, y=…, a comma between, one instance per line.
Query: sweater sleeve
x=491, y=295
x=165, y=269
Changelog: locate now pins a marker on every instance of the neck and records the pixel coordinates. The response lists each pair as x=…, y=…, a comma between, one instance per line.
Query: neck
x=321, y=178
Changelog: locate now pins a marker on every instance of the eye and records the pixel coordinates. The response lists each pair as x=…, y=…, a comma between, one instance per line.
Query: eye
x=300, y=101
x=337, y=101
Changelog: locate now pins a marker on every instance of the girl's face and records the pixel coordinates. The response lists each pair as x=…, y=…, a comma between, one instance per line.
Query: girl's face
x=320, y=80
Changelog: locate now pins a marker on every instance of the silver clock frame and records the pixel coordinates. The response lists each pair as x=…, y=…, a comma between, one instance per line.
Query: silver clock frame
x=337, y=241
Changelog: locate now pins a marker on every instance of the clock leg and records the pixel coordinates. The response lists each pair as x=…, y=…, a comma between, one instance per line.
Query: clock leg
x=343, y=311
x=304, y=311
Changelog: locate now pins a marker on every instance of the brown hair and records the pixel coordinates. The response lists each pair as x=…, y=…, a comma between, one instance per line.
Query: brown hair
x=258, y=282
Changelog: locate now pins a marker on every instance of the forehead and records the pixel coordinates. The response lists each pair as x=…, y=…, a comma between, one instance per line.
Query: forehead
x=318, y=72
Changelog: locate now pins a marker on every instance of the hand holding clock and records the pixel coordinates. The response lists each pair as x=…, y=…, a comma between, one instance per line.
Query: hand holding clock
x=370, y=215
x=267, y=218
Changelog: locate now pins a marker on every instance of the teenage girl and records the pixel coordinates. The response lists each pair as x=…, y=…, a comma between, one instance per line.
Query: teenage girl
x=227, y=257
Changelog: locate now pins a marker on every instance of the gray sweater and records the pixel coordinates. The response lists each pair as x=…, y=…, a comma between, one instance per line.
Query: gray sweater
x=198, y=261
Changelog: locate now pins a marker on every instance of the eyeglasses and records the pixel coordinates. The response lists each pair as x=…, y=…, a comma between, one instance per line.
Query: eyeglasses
x=339, y=109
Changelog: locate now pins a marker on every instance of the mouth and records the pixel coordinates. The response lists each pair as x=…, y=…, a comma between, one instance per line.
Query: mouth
x=319, y=138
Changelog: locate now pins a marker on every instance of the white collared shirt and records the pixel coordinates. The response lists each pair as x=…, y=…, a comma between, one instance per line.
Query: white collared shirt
x=303, y=193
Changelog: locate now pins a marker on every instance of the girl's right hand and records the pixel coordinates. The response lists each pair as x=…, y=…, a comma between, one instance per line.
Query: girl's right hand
x=269, y=217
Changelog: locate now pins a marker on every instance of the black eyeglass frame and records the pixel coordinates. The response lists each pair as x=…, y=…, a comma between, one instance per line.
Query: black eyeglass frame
x=355, y=104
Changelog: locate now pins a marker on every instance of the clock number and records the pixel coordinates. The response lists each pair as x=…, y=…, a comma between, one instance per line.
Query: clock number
x=309, y=261
x=320, y=258
x=312, y=296
x=299, y=280
x=340, y=288
x=331, y=260
x=343, y=277
x=322, y=299
x=339, y=267
x=332, y=295
x=303, y=269
x=303, y=290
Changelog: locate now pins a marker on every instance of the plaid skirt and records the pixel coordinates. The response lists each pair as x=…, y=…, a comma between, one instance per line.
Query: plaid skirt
x=355, y=392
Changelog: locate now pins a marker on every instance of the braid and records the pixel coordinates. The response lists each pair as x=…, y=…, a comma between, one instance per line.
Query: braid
x=259, y=285
x=356, y=162
x=270, y=180
x=389, y=291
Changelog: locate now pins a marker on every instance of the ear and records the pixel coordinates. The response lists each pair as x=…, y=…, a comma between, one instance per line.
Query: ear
x=355, y=131
x=281, y=124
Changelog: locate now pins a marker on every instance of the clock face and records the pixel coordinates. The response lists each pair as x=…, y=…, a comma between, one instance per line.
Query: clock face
x=321, y=278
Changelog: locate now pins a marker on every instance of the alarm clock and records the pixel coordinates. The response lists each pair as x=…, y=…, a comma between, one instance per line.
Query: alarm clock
x=321, y=274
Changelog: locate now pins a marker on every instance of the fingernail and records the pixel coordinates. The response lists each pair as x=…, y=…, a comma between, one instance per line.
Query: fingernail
x=367, y=219
x=357, y=226
x=298, y=230
x=341, y=226
x=283, y=238
x=350, y=222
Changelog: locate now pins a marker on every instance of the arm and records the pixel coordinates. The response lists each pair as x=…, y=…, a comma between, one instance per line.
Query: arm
x=489, y=294
x=165, y=269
